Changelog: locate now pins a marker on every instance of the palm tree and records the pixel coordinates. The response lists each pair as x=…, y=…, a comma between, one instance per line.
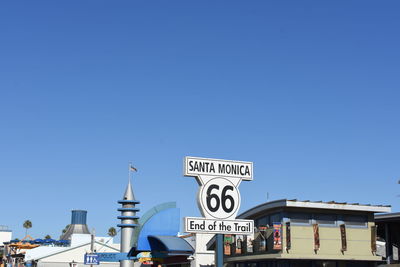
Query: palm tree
x=112, y=232
x=65, y=229
x=27, y=224
x=47, y=237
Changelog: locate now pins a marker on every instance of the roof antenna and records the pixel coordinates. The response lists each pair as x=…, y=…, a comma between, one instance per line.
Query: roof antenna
x=267, y=196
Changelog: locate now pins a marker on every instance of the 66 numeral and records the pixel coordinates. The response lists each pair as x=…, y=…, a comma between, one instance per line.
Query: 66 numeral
x=224, y=199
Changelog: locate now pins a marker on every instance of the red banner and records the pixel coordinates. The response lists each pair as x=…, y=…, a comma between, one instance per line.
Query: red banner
x=373, y=238
x=288, y=238
x=227, y=244
x=316, y=236
x=343, y=237
x=277, y=236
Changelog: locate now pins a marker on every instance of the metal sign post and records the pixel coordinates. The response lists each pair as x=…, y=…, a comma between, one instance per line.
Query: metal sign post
x=218, y=198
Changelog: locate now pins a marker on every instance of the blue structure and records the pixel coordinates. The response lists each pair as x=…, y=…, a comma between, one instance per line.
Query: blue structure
x=162, y=220
x=78, y=225
x=155, y=232
x=78, y=217
x=91, y=259
x=158, y=232
x=172, y=245
x=113, y=257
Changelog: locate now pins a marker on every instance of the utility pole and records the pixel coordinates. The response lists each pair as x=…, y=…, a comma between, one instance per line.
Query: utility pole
x=92, y=243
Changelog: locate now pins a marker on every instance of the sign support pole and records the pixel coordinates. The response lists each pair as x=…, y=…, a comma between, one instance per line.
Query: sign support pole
x=219, y=250
x=92, y=244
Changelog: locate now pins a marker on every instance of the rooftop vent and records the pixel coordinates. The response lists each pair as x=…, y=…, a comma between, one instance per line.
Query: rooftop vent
x=78, y=225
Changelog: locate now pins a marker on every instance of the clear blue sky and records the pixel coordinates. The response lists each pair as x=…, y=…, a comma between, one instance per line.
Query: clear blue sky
x=307, y=90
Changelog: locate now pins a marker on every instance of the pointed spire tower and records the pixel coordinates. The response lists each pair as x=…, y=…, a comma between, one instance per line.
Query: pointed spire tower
x=128, y=221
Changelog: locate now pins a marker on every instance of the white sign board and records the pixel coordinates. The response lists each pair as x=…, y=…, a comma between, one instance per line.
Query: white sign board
x=218, y=167
x=218, y=196
x=210, y=226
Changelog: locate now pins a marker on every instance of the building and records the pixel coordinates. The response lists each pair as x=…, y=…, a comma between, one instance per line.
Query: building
x=293, y=233
x=77, y=226
x=5, y=236
x=388, y=225
x=78, y=242
x=201, y=257
x=62, y=256
x=150, y=240
x=156, y=240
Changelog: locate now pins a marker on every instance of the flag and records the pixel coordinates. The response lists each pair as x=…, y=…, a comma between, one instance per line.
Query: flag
x=132, y=169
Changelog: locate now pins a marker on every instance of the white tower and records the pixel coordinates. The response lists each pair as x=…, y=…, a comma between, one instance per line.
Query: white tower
x=128, y=222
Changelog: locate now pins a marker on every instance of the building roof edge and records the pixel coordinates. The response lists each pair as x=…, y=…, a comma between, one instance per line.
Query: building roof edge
x=331, y=205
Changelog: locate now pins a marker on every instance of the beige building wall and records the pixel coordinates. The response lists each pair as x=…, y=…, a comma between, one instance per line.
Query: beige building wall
x=302, y=243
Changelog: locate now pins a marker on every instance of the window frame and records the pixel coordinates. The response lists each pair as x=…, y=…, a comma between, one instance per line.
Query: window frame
x=290, y=219
x=335, y=220
x=345, y=221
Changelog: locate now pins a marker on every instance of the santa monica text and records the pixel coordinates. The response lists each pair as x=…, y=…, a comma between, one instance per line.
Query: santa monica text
x=218, y=167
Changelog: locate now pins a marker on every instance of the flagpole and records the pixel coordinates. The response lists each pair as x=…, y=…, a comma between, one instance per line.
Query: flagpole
x=129, y=171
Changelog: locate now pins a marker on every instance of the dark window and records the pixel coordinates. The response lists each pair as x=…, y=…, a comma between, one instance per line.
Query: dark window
x=300, y=218
x=275, y=218
x=354, y=220
x=325, y=219
x=325, y=264
x=263, y=221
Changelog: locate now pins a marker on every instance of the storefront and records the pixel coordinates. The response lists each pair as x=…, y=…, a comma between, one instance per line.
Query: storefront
x=388, y=231
x=292, y=233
